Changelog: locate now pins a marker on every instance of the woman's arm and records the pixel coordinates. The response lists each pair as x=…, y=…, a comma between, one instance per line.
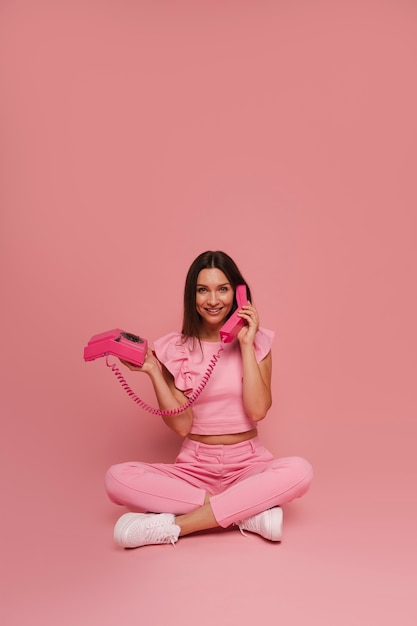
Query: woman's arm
x=182, y=422
x=257, y=397
x=167, y=395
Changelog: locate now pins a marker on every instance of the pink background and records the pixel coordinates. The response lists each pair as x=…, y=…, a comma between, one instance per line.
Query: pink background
x=135, y=135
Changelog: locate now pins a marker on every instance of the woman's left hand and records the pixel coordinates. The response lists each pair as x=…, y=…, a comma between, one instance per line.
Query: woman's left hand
x=247, y=334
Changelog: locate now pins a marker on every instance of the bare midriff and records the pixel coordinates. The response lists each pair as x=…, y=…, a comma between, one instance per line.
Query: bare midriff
x=224, y=439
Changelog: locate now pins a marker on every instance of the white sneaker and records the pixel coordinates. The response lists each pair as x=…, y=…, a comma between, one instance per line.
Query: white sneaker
x=134, y=530
x=268, y=524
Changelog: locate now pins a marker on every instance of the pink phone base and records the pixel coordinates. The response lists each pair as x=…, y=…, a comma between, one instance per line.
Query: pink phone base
x=119, y=343
x=231, y=328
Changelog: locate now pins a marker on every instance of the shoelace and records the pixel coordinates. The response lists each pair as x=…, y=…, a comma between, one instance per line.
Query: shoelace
x=239, y=525
x=156, y=532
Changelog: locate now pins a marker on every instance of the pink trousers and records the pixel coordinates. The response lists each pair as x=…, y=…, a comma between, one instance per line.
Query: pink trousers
x=243, y=479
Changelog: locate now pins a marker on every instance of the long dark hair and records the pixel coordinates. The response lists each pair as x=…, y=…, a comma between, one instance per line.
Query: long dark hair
x=205, y=260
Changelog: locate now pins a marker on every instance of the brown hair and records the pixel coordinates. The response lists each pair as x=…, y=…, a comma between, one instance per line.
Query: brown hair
x=206, y=260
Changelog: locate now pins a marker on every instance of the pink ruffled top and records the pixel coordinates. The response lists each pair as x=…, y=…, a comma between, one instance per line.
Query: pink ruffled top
x=219, y=408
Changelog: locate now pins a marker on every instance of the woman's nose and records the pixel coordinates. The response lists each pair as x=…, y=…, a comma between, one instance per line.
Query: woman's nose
x=212, y=297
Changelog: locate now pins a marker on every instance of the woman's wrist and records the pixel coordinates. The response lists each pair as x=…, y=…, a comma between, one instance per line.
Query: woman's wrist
x=247, y=346
x=155, y=372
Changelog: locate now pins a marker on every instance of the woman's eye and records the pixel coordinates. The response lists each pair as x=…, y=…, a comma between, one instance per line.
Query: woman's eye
x=223, y=289
x=201, y=290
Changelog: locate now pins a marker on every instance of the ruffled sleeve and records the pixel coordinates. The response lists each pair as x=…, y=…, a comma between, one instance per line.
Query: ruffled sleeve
x=263, y=342
x=174, y=354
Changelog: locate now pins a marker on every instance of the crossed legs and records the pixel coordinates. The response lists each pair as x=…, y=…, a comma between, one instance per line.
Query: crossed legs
x=199, y=519
x=180, y=491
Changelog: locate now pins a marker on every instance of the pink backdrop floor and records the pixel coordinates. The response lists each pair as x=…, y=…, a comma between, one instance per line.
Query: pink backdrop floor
x=348, y=554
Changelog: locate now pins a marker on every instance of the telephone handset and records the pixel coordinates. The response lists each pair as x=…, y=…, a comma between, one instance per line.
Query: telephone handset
x=133, y=349
x=235, y=323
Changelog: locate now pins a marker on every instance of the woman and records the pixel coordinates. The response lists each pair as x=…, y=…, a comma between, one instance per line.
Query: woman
x=223, y=474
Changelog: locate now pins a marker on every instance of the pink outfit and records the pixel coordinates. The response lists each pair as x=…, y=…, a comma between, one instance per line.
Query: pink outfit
x=219, y=409
x=243, y=479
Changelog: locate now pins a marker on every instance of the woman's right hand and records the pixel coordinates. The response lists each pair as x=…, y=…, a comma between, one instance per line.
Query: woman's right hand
x=149, y=364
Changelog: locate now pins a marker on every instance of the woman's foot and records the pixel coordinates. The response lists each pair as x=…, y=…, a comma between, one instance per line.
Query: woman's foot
x=134, y=530
x=268, y=524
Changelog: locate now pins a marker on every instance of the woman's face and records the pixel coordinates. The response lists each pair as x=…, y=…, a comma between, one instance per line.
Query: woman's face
x=214, y=297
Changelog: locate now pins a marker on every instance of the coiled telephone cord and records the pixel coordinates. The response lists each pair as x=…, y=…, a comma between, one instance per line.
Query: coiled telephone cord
x=180, y=409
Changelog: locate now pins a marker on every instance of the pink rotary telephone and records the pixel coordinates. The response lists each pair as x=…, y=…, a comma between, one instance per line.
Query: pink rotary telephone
x=133, y=349
x=117, y=342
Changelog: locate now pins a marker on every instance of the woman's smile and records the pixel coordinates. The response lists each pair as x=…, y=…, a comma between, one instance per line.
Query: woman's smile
x=214, y=311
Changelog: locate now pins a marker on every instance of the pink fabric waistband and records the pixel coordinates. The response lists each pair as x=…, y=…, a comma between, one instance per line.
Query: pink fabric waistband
x=250, y=445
